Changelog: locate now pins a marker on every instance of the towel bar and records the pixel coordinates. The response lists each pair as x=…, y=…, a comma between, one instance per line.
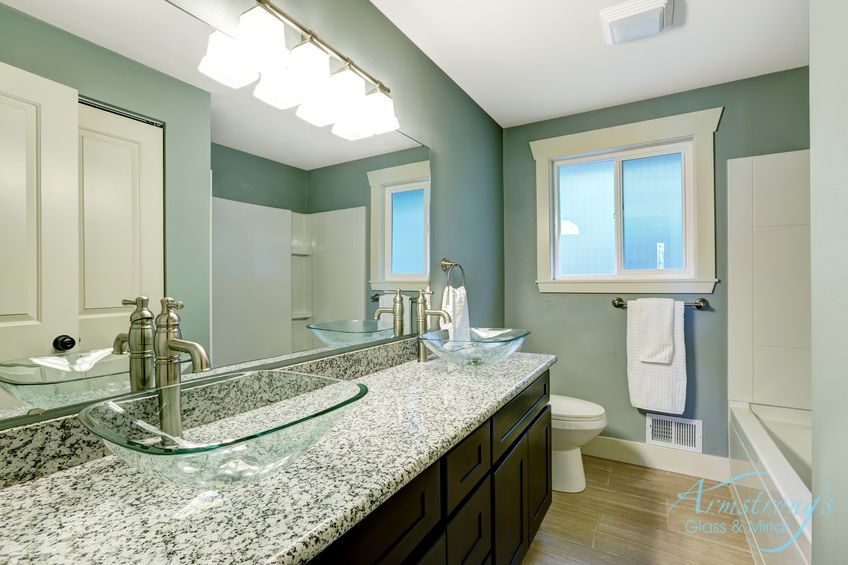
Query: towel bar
x=700, y=304
x=448, y=266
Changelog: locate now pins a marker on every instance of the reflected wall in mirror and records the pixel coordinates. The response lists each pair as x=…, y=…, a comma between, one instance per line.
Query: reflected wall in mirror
x=302, y=262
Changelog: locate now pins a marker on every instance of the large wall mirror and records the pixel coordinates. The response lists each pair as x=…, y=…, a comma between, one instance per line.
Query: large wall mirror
x=261, y=159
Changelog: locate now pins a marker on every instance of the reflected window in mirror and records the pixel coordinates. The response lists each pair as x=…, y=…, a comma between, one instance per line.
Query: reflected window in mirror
x=400, y=226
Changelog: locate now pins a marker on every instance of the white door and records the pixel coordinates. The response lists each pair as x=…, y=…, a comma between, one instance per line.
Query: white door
x=251, y=282
x=121, y=244
x=38, y=213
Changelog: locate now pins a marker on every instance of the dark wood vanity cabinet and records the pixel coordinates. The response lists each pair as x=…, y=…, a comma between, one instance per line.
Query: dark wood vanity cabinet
x=480, y=504
x=522, y=491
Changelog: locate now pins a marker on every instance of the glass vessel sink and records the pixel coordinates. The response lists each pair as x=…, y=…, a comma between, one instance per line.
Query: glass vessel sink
x=234, y=430
x=484, y=346
x=341, y=333
x=68, y=378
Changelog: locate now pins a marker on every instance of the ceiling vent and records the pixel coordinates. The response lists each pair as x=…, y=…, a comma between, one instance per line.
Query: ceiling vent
x=636, y=19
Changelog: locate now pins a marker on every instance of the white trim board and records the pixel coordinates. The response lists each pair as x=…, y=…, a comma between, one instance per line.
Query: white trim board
x=700, y=465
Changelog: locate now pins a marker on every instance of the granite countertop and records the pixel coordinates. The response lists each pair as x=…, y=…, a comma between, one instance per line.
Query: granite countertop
x=107, y=512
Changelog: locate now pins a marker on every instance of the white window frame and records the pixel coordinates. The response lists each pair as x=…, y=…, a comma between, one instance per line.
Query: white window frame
x=698, y=275
x=384, y=183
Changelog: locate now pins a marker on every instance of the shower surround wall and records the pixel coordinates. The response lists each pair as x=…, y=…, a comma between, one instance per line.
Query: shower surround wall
x=769, y=278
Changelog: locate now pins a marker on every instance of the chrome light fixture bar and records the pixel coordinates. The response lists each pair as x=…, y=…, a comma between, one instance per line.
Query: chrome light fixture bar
x=357, y=104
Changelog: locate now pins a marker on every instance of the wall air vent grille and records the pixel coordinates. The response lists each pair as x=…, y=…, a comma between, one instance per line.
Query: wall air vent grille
x=678, y=433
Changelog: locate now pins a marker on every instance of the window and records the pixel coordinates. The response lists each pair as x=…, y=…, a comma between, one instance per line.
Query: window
x=400, y=226
x=628, y=208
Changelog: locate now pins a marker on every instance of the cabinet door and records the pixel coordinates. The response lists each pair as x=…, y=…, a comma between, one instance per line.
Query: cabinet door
x=539, y=470
x=39, y=237
x=511, y=538
x=469, y=533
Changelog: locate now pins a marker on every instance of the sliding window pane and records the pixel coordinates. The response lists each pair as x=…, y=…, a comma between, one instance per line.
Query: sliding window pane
x=408, y=232
x=652, y=201
x=586, y=243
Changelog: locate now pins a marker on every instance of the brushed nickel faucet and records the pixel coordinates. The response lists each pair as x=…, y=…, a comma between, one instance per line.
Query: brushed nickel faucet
x=139, y=342
x=422, y=312
x=397, y=312
x=167, y=345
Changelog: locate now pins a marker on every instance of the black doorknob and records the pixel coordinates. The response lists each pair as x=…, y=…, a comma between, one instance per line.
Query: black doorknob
x=64, y=343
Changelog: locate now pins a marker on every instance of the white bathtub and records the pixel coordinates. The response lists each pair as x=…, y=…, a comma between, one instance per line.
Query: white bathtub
x=757, y=434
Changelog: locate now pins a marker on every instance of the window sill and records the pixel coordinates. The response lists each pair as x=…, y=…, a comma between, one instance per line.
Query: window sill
x=403, y=285
x=670, y=286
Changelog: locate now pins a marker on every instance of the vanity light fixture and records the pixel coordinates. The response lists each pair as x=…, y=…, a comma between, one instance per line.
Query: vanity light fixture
x=226, y=62
x=301, y=77
x=636, y=19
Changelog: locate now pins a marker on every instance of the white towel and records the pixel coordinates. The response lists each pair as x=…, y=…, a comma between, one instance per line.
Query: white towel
x=658, y=387
x=455, y=303
x=656, y=329
x=388, y=301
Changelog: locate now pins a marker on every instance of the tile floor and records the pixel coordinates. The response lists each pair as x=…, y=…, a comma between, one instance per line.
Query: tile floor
x=622, y=518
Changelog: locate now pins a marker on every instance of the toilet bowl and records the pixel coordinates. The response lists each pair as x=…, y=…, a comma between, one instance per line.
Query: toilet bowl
x=574, y=422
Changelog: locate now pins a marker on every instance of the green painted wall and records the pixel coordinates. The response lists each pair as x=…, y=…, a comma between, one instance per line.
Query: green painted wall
x=465, y=144
x=240, y=176
x=765, y=114
x=346, y=186
x=105, y=76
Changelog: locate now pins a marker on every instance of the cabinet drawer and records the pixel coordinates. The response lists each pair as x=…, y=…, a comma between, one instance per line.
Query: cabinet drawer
x=469, y=533
x=395, y=528
x=511, y=420
x=466, y=464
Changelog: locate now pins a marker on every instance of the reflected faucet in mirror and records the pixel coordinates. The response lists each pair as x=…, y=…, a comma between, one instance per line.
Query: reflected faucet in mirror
x=139, y=342
x=397, y=313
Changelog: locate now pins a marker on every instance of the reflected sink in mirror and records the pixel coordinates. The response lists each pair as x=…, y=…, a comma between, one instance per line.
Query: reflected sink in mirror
x=484, y=346
x=63, y=379
x=235, y=430
x=342, y=333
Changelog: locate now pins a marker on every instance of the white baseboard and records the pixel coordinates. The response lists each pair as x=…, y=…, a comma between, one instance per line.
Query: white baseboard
x=698, y=465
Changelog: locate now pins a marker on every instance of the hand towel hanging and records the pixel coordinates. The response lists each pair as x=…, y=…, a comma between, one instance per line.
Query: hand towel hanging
x=656, y=385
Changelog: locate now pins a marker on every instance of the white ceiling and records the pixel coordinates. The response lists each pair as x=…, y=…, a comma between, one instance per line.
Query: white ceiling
x=521, y=62
x=165, y=38
x=528, y=61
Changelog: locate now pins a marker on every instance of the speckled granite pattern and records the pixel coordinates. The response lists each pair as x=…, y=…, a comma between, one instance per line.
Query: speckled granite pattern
x=36, y=450
x=360, y=363
x=29, y=452
x=106, y=512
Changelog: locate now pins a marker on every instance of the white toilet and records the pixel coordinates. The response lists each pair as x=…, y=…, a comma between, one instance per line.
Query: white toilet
x=575, y=422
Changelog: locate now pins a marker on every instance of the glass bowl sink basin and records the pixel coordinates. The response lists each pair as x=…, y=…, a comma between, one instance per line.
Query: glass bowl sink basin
x=484, y=346
x=62, y=379
x=234, y=430
x=341, y=333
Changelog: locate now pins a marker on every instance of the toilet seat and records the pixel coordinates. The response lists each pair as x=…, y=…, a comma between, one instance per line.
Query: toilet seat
x=569, y=413
x=568, y=408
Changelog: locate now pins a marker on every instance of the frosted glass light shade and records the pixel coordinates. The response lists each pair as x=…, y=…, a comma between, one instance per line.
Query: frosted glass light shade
x=353, y=125
x=263, y=38
x=338, y=96
x=381, y=112
x=279, y=89
x=225, y=62
x=309, y=66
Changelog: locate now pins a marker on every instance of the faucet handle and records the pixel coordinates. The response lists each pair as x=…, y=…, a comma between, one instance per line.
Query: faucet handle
x=169, y=303
x=141, y=312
